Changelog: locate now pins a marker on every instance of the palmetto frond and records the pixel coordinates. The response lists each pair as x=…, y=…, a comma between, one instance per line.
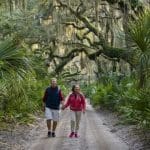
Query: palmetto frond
x=12, y=59
x=140, y=32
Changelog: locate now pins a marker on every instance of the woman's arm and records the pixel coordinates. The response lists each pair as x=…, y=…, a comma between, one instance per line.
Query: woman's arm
x=83, y=103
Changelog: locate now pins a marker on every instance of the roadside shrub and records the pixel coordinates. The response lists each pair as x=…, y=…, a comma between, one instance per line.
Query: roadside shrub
x=124, y=97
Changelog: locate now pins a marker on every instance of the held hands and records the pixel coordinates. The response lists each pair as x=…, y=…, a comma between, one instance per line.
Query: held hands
x=63, y=107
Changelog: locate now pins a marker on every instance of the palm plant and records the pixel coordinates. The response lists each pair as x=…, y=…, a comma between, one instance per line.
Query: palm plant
x=140, y=34
x=14, y=65
x=12, y=59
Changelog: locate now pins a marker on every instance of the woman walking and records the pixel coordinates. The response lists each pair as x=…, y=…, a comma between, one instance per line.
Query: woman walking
x=76, y=101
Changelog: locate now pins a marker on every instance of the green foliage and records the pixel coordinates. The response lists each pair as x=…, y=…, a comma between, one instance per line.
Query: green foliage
x=137, y=108
x=140, y=34
x=131, y=103
x=12, y=59
x=112, y=1
x=19, y=97
x=23, y=80
x=134, y=3
x=100, y=95
x=89, y=90
x=20, y=92
x=23, y=76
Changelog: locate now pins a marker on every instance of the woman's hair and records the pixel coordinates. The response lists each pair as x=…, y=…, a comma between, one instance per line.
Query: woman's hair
x=74, y=86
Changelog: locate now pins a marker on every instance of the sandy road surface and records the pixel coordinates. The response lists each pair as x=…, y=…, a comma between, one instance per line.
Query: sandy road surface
x=93, y=135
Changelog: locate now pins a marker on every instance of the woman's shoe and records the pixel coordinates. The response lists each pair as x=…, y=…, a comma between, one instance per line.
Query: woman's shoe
x=71, y=134
x=76, y=135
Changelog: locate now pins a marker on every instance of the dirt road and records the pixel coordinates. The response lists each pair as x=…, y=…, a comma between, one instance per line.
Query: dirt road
x=93, y=135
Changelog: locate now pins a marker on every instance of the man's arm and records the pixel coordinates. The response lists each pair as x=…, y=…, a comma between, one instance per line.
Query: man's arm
x=67, y=103
x=44, y=100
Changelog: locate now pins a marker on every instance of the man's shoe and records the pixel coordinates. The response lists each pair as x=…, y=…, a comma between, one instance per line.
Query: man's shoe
x=49, y=134
x=71, y=134
x=53, y=134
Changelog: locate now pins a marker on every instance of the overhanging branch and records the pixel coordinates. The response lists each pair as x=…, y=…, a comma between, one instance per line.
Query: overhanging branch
x=74, y=25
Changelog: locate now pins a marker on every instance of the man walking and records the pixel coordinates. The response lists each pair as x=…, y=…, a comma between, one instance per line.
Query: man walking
x=51, y=105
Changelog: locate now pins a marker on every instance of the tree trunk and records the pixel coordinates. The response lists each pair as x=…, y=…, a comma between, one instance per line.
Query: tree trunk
x=10, y=6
